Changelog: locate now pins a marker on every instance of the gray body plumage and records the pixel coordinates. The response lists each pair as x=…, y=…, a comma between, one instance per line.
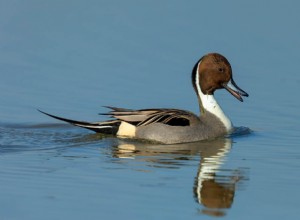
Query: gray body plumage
x=205, y=127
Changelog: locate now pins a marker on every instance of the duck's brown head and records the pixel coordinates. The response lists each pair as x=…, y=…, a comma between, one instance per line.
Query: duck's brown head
x=212, y=72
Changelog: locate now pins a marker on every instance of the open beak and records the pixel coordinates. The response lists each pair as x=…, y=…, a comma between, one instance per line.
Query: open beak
x=232, y=87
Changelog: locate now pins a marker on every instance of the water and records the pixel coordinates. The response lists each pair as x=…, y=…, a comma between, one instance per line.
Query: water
x=71, y=58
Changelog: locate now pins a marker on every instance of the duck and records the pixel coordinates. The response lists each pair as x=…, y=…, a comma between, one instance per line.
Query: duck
x=174, y=126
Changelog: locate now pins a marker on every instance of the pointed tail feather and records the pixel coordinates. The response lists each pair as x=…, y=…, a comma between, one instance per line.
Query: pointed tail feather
x=107, y=127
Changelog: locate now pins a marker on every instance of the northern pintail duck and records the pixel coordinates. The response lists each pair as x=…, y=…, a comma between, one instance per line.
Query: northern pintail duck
x=169, y=126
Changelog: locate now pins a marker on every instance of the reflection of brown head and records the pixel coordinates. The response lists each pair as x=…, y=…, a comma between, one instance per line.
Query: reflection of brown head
x=215, y=195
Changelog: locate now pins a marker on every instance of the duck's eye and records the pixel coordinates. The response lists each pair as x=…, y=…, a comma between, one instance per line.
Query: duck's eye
x=221, y=70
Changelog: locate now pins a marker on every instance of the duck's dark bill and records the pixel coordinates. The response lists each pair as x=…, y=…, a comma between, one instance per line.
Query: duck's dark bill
x=232, y=87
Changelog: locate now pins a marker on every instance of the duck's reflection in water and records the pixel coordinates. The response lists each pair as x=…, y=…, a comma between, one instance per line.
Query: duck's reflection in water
x=214, y=187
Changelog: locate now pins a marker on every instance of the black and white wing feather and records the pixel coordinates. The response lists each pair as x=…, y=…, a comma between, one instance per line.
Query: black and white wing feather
x=143, y=117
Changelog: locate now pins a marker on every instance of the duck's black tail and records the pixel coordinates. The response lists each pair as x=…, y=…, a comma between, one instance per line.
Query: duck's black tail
x=105, y=127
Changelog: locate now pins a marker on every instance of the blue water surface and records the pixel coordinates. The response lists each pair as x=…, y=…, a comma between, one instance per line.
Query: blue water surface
x=70, y=58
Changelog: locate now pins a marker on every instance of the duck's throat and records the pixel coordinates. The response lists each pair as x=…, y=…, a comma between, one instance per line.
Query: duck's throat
x=209, y=103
